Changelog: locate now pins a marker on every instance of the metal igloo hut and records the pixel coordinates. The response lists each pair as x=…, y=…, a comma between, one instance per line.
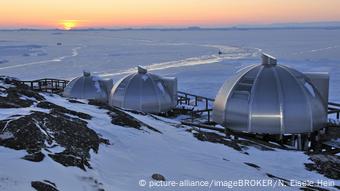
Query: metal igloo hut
x=88, y=87
x=273, y=99
x=146, y=92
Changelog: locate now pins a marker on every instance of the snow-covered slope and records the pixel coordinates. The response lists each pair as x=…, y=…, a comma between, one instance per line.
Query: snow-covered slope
x=48, y=142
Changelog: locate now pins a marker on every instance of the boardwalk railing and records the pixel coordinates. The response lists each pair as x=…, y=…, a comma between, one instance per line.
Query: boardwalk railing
x=200, y=104
x=334, y=108
x=47, y=85
x=195, y=100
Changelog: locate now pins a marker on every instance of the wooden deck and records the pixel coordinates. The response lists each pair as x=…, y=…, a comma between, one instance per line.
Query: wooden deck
x=334, y=108
x=47, y=85
x=196, y=101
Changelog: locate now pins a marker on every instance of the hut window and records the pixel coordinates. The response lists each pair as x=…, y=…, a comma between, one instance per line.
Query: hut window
x=309, y=88
x=161, y=87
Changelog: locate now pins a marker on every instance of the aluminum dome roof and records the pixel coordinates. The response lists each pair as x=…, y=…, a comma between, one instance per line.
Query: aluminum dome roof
x=270, y=98
x=143, y=91
x=86, y=87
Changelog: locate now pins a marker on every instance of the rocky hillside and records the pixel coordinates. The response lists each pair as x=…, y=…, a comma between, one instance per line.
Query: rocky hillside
x=48, y=142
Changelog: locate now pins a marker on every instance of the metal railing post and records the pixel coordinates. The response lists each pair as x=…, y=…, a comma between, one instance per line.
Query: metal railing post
x=206, y=103
x=208, y=116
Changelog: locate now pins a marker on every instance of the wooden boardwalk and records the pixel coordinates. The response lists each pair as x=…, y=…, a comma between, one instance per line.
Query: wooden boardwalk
x=334, y=108
x=47, y=85
x=200, y=104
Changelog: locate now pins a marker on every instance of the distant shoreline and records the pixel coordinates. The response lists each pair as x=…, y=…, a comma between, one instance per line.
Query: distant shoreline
x=183, y=29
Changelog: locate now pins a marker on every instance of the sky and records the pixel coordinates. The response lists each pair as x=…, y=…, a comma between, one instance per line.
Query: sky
x=69, y=14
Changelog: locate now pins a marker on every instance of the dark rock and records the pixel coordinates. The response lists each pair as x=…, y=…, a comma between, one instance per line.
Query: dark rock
x=75, y=101
x=216, y=138
x=34, y=157
x=15, y=94
x=44, y=186
x=61, y=110
x=39, y=130
x=281, y=180
x=13, y=99
x=26, y=135
x=258, y=144
x=121, y=118
x=67, y=159
x=235, y=143
x=252, y=165
x=158, y=177
x=328, y=165
x=96, y=185
x=52, y=183
x=118, y=117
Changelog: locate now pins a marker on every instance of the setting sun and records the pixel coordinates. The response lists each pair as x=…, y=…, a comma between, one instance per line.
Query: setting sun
x=165, y=13
x=68, y=24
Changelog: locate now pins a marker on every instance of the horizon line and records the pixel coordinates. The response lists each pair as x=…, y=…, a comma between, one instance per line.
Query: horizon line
x=316, y=24
x=173, y=28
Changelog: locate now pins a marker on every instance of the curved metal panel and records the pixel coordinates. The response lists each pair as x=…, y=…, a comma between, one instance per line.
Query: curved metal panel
x=144, y=92
x=86, y=87
x=297, y=111
x=265, y=116
x=219, y=109
x=270, y=99
x=117, y=93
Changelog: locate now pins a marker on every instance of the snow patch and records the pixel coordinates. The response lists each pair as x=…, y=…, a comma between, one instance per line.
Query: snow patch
x=145, y=77
x=6, y=135
x=6, y=113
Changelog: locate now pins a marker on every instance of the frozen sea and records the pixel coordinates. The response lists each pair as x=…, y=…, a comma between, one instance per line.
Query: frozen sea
x=190, y=55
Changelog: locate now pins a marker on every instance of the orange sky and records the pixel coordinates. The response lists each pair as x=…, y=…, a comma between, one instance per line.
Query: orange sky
x=163, y=13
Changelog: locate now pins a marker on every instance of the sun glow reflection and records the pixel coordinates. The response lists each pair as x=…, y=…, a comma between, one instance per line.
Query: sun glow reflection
x=68, y=24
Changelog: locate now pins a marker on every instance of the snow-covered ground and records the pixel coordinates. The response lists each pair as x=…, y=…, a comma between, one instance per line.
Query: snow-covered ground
x=134, y=155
